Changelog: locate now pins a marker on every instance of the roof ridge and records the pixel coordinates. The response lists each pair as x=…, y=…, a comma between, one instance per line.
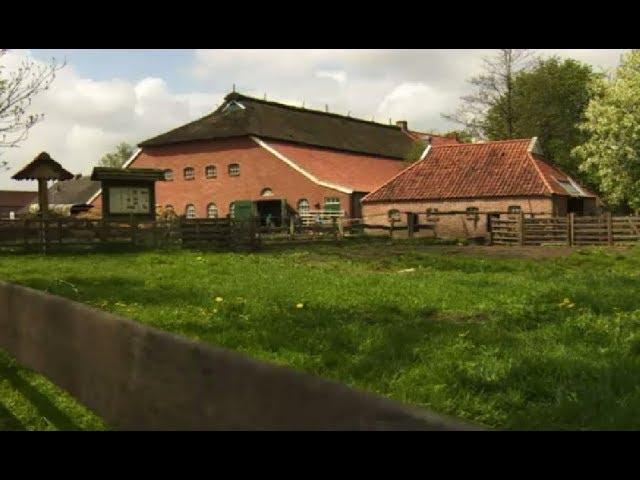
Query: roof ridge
x=240, y=96
x=490, y=142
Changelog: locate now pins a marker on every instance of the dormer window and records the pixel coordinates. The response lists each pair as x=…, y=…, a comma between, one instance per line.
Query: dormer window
x=233, y=106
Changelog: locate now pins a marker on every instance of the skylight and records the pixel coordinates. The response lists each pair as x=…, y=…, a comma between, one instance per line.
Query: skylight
x=569, y=187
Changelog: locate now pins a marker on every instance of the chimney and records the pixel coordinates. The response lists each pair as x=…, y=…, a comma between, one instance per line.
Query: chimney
x=403, y=125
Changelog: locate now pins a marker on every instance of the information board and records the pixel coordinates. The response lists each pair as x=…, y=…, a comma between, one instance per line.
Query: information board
x=126, y=200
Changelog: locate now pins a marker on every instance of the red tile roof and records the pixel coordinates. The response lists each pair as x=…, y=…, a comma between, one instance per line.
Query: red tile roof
x=16, y=198
x=492, y=169
x=361, y=173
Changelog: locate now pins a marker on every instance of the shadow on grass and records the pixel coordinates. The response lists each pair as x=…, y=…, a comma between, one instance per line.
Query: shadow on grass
x=8, y=421
x=45, y=407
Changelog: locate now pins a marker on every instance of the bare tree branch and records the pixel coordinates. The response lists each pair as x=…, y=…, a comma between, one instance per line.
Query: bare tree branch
x=17, y=89
x=493, y=88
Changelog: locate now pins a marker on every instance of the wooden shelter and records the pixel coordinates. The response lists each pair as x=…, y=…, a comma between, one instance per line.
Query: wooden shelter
x=42, y=169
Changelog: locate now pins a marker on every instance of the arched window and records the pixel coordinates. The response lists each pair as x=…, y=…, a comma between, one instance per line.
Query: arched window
x=232, y=206
x=190, y=211
x=234, y=169
x=212, y=211
x=168, y=175
x=394, y=215
x=189, y=173
x=303, y=206
x=210, y=171
x=266, y=192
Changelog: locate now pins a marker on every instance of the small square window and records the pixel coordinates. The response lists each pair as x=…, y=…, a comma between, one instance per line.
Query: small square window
x=234, y=170
x=210, y=171
x=189, y=173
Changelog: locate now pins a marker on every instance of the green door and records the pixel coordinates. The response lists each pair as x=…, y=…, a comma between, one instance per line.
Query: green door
x=243, y=210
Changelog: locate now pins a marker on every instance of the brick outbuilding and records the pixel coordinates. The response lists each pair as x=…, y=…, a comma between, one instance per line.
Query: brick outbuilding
x=479, y=181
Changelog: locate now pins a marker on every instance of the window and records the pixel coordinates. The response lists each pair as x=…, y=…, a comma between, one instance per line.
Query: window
x=569, y=187
x=189, y=173
x=168, y=175
x=332, y=204
x=212, y=211
x=168, y=206
x=234, y=169
x=303, y=206
x=266, y=192
x=514, y=209
x=431, y=214
x=232, y=208
x=190, y=211
x=210, y=171
x=394, y=215
x=472, y=213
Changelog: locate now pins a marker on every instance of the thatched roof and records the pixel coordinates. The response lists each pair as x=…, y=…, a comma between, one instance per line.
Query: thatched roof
x=241, y=115
x=43, y=166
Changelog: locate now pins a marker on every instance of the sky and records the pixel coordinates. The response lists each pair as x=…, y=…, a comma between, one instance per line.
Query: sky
x=103, y=97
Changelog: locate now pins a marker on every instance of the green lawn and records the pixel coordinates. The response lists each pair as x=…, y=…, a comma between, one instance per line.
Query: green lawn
x=509, y=342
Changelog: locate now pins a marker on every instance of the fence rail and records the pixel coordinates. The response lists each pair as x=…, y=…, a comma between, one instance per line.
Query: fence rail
x=570, y=230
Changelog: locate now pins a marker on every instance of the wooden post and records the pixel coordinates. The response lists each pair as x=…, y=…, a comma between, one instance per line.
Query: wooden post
x=154, y=232
x=291, y=228
x=25, y=233
x=609, y=228
x=134, y=228
x=391, y=228
x=197, y=230
x=570, y=229
x=521, y=230
x=59, y=232
x=340, y=228
x=410, y=224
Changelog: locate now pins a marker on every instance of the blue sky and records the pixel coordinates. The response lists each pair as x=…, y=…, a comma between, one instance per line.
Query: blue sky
x=103, y=97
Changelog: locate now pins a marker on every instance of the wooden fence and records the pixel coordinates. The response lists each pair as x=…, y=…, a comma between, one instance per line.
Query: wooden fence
x=570, y=230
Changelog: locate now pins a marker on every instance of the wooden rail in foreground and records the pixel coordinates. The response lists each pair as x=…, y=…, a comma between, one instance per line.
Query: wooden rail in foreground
x=139, y=378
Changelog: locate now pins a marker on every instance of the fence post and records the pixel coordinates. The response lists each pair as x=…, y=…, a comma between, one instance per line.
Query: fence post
x=569, y=229
x=609, y=229
x=291, y=228
x=521, y=229
x=391, y=228
x=59, y=232
x=25, y=233
x=340, y=228
x=134, y=228
x=572, y=229
x=409, y=225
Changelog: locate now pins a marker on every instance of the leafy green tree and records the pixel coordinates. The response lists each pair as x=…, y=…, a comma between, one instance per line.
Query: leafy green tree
x=611, y=154
x=416, y=151
x=18, y=87
x=549, y=101
x=118, y=157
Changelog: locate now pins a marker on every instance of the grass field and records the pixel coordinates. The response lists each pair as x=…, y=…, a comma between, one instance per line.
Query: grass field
x=540, y=340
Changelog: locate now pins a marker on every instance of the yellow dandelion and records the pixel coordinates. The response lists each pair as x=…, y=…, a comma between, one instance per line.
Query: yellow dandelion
x=299, y=305
x=219, y=299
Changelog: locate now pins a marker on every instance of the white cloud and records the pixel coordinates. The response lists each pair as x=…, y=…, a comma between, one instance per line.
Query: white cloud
x=338, y=76
x=85, y=118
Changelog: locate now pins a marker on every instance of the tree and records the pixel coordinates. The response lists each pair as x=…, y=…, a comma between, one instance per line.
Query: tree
x=611, y=153
x=17, y=89
x=494, y=90
x=118, y=157
x=548, y=101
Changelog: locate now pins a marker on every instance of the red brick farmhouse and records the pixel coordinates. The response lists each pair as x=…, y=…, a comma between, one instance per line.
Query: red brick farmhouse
x=480, y=180
x=274, y=157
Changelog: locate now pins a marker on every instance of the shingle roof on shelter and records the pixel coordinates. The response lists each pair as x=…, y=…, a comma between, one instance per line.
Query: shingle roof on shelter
x=43, y=166
x=133, y=174
x=479, y=170
x=241, y=115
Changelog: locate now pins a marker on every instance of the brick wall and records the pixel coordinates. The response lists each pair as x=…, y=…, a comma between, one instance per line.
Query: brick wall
x=455, y=226
x=259, y=169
